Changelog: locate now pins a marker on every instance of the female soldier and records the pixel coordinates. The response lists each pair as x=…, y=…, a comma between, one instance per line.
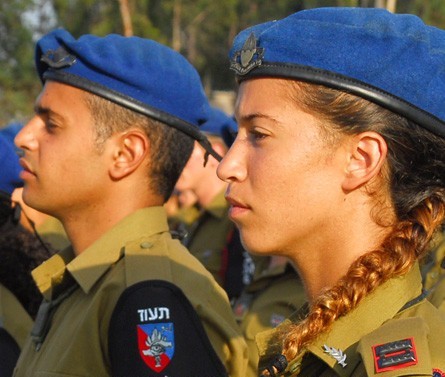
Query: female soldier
x=339, y=165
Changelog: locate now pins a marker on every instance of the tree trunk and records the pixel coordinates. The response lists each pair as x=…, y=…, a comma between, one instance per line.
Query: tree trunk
x=176, y=35
x=391, y=5
x=126, y=17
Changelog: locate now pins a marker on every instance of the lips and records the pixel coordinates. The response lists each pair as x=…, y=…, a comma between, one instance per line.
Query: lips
x=234, y=202
x=237, y=208
x=27, y=170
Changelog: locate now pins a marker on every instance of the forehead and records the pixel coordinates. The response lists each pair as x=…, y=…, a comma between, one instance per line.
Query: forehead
x=60, y=95
x=64, y=105
x=259, y=95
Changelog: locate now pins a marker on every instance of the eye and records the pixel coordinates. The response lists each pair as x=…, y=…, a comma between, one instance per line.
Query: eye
x=256, y=135
x=50, y=126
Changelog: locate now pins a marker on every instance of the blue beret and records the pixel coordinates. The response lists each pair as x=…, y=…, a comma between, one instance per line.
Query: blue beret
x=11, y=130
x=136, y=73
x=219, y=122
x=9, y=166
x=393, y=60
x=229, y=132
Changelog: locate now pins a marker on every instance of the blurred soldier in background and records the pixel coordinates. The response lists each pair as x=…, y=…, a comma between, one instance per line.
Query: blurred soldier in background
x=212, y=237
x=274, y=294
x=20, y=253
x=45, y=227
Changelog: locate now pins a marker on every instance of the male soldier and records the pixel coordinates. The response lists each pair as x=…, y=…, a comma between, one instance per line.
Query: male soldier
x=113, y=128
x=212, y=237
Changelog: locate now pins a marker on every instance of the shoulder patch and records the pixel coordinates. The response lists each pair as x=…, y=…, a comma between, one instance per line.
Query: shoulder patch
x=155, y=331
x=438, y=373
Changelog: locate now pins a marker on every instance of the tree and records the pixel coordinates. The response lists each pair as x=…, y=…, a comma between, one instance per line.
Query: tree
x=18, y=82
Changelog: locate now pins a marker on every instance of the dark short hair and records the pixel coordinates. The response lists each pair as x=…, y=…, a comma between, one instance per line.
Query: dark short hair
x=169, y=148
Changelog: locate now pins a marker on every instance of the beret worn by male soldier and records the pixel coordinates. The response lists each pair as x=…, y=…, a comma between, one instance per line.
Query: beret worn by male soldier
x=151, y=79
x=139, y=74
x=395, y=61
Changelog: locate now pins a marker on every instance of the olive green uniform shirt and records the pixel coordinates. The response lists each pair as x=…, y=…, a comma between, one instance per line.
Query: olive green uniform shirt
x=383, y=319
x=437, y=295
x=13, y=316
x=272, y=296
x=434, y=273
x=53, y=232
x=139, y=248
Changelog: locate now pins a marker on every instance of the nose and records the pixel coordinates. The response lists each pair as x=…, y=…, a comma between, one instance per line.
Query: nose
x=233, y=167
x=25, y=138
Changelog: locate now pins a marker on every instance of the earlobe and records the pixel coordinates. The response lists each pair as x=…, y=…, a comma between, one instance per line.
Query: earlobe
x=131, y=149
x=367, y=155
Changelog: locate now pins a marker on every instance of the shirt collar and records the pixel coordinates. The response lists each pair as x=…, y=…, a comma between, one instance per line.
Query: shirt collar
x=390, y=297
x=93, y=262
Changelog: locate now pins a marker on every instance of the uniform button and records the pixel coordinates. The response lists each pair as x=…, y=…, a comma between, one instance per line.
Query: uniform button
x=146, y=245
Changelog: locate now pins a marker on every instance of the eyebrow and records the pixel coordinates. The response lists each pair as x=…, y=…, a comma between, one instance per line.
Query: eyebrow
x=250, y=117
x=42, y=110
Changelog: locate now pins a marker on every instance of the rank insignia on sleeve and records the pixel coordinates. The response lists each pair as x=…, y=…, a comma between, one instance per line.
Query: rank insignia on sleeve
x=156, y=344
x=394, y=355
x=438, y=373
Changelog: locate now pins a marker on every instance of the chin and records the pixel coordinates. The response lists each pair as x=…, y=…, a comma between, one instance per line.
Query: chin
x=34, y=203
x=255, y=245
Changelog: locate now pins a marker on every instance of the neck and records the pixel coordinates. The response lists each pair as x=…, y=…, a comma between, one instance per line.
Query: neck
x=87, y=225
x=327, y=258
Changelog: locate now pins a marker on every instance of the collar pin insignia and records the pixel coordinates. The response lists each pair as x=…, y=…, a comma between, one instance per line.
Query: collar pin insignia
x=249, y=57
x=337, y=354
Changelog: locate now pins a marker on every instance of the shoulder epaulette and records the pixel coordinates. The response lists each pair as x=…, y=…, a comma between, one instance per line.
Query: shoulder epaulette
x=147, y=251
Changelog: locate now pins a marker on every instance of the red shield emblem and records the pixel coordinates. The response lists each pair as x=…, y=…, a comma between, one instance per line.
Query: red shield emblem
x=156, y=344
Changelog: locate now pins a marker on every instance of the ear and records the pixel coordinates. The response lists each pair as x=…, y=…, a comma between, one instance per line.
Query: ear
x=367, y=154
x=131, y=148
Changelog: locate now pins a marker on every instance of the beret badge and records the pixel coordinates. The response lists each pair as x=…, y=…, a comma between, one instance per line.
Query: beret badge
x=59, y=58
x=249, y=57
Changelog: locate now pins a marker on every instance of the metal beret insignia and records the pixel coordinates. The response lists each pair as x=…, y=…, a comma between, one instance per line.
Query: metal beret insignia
x=249, y=57
x=59, y=58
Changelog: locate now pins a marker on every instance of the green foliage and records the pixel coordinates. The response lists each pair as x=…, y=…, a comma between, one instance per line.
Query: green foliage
x=17, y=76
